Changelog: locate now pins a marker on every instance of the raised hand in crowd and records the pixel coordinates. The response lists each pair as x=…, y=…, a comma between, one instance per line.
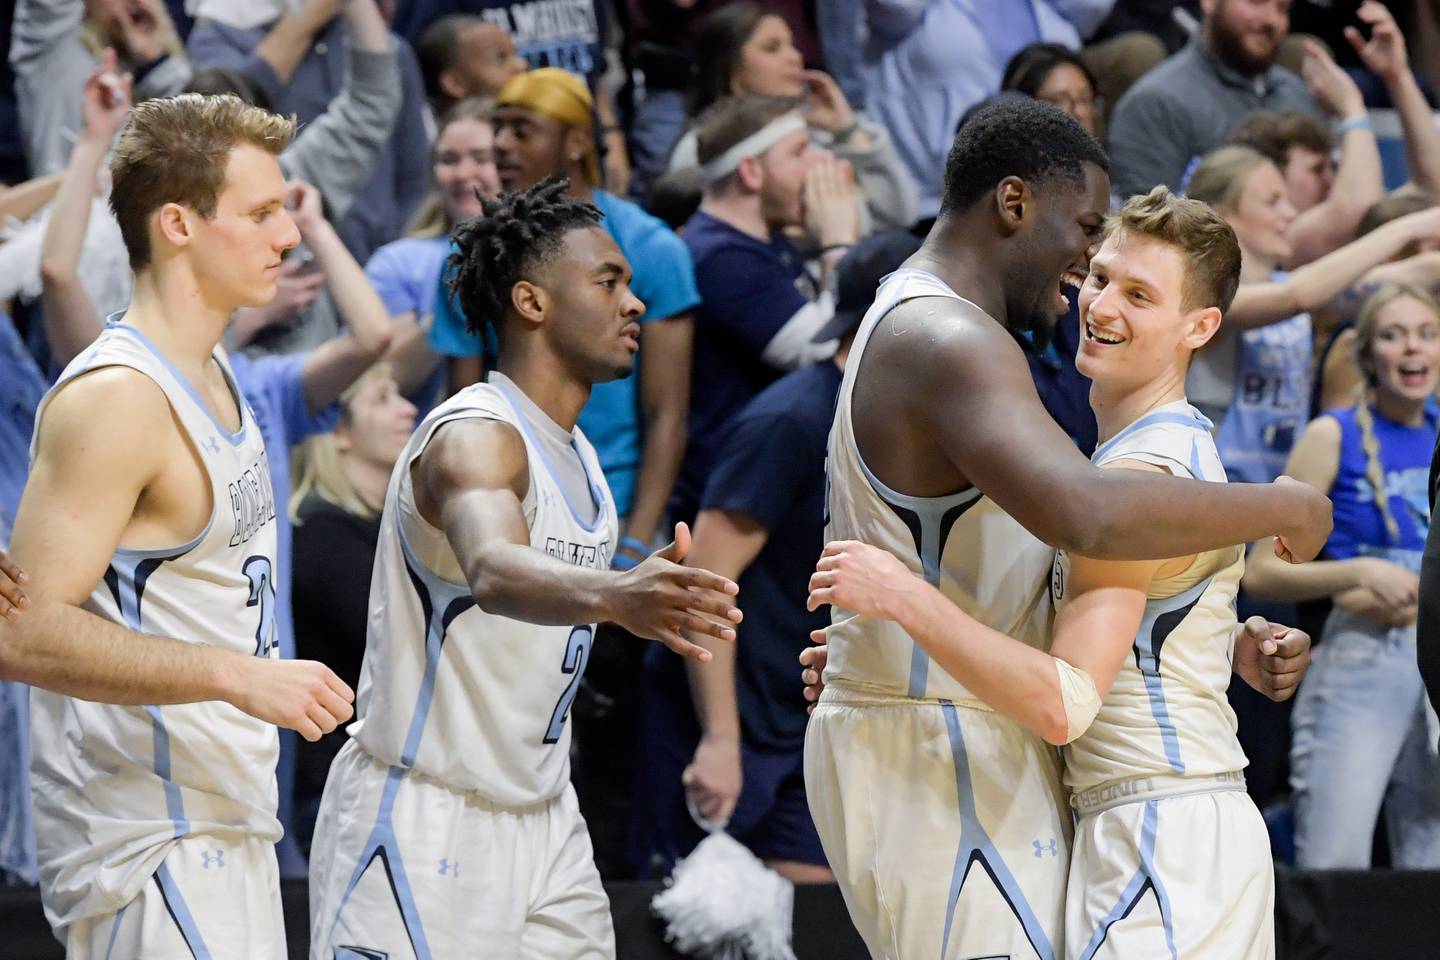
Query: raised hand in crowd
x=1336, y=92
x=141, y=30
x=71, y=319
x=1383, y=53
x=826, y=108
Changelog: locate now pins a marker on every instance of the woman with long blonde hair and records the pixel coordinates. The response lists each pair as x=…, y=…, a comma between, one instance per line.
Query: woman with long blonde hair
x=339, y=490
x=1359, y=727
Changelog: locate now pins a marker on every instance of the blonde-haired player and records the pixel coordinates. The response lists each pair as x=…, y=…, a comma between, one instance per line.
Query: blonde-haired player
x=1134, y=683
x=148, y=525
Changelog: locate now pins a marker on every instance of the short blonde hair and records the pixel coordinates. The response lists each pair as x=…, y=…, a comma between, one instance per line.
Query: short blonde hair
x=1204, y=239
x=175, y=150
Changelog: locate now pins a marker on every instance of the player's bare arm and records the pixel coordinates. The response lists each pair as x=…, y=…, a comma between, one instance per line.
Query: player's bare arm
x=471, y=482
x=970, y=387
x=116, y=424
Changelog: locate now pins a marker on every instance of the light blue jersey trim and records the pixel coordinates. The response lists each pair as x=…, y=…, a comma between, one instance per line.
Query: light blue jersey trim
x=1135, y=889
x=1194, y=420
x=236, y=438
x=127, y=576
x=926, y=514
x=975, y=845
x=441, y=601
x=175, y=903
x=115, y=930
x=1159, y=621
x=597, y=495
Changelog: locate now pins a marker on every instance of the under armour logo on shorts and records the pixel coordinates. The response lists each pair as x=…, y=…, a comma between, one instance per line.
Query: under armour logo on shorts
x=446, y=867
x=1040, y=848
x=218, y=858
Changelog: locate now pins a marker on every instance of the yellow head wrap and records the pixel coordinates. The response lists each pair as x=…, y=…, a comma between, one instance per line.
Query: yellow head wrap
x=560, y=95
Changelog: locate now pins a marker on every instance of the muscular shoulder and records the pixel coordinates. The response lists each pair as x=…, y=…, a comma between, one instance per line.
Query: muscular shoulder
x=937, y=341
x=112, y=413
x=472, y=453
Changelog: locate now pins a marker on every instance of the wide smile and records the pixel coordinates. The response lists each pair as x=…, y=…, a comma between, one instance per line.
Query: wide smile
x=1106, y=338
x=1414, y=374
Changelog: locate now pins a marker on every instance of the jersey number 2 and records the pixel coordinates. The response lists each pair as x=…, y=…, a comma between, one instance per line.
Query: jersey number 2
x=577, y=654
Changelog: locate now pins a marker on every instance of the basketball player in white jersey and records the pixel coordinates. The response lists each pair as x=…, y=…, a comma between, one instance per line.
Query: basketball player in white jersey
x=945, y=823
x=147, y=526
x=448, y=827
x=1171, y=857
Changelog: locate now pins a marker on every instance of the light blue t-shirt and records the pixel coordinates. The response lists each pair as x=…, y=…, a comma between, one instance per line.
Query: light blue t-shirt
x=664, y=280
x=405, y=273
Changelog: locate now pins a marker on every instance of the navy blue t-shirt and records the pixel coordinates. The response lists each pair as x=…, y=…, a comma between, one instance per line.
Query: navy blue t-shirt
x=748, y=288
x=1063, y=390
x=772, y=469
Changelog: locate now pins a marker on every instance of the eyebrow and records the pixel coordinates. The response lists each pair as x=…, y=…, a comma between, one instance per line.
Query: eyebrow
x=609, y=266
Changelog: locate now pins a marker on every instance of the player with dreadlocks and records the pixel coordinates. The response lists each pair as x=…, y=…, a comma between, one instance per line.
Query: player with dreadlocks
x=448, y=826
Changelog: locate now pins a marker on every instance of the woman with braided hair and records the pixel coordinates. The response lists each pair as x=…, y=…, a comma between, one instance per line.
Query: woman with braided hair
x=1359, y=727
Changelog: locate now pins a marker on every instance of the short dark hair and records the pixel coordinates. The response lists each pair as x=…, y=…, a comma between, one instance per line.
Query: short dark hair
x=1027, y=70
x=1274, y=134
x=514, y=234
x=718, y=42
x=732, y=119
x=439, y=47
x=1015, y=136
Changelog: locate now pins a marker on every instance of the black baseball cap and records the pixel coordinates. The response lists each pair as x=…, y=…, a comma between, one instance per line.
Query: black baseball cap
x=857, y=275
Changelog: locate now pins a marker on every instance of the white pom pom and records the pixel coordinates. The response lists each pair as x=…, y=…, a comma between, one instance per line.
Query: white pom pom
x=722, y=903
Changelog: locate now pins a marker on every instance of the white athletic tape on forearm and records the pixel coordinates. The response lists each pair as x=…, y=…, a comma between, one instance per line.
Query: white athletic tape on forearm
x=1078, y=694
x=752, y=146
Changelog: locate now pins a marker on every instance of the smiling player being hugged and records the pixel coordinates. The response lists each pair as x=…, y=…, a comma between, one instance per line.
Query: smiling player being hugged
x=449, y=828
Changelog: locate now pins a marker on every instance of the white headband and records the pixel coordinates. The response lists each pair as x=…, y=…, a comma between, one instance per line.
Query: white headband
x=752, y=146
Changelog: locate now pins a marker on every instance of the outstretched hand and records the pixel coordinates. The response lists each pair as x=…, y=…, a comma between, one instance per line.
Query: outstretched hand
x=661, y=600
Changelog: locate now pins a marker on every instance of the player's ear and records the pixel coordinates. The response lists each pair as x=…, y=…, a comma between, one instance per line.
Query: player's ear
x=1204, y=323
x=1013, y=200
x=530, y=301
x=172, y=222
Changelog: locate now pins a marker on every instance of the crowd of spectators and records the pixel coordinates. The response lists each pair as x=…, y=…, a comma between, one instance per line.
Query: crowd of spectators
x=762, y=167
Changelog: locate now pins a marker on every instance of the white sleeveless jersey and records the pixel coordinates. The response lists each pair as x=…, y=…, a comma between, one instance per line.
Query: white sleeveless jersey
x=979, y=557
x=478, y=701
x=115, y=786
x=1167, y=712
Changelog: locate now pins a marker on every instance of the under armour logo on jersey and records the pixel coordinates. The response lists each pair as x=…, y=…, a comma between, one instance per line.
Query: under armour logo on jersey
x=211, y=444
x=217, y=858
x=449, y=869
x=1041, y=848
